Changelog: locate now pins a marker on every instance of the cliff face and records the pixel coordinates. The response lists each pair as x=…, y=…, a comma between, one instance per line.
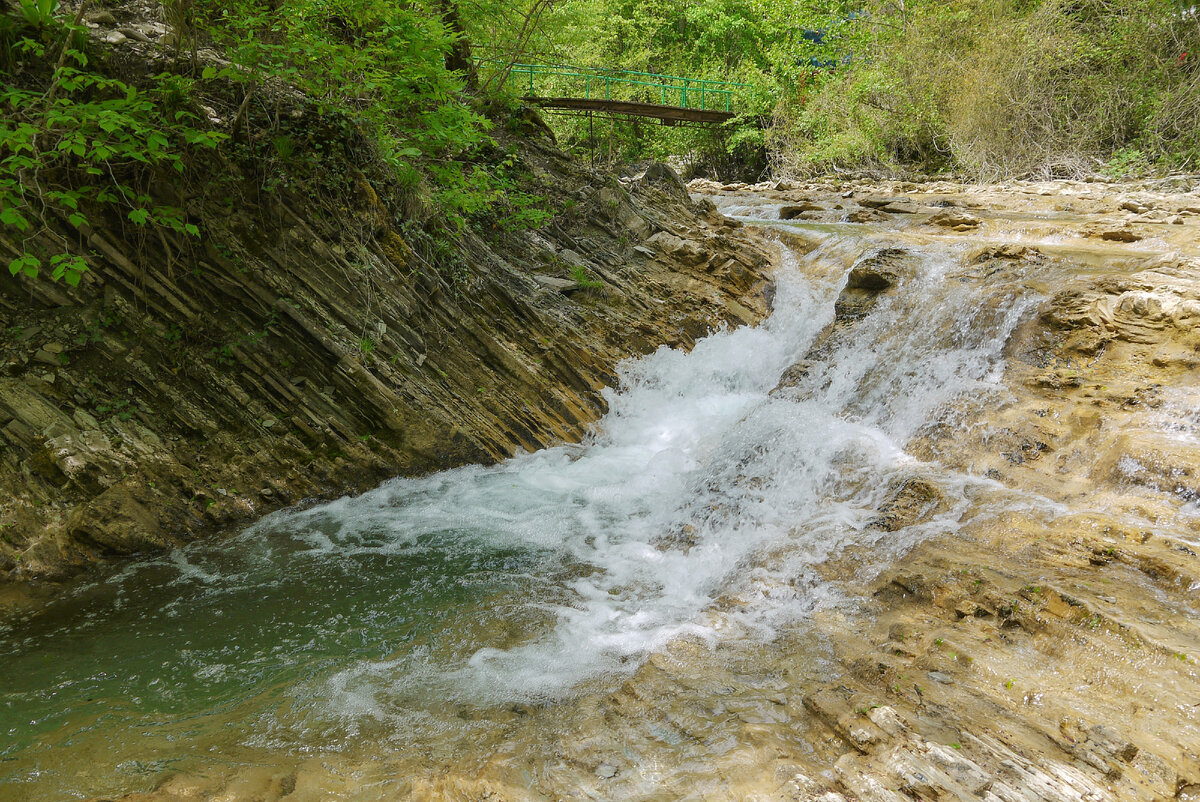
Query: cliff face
x=294, y=353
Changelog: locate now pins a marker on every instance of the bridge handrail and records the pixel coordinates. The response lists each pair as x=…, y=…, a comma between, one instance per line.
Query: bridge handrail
x=693, y=93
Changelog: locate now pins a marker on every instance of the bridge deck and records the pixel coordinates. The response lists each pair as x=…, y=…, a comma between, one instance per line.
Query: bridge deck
x=668, y=114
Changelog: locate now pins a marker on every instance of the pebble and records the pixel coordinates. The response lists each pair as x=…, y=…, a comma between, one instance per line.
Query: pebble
x=46, y=357
x=134, y=33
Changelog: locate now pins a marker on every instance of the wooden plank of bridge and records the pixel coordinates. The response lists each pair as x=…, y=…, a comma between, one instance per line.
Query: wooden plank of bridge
x=668, y=114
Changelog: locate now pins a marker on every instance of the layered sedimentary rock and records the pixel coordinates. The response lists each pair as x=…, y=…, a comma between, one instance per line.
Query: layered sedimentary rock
x=293, y=355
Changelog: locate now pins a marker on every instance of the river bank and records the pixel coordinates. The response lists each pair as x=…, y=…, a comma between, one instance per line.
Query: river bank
x=1047, y=649
x=297, y=357
x=929, y=531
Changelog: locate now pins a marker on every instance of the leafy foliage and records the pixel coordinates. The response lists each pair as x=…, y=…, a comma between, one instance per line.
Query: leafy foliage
x=383, y=67
x=77, y=143
x=1003, y=87
x=707, y=39
x=987, y=87
x=87, y=141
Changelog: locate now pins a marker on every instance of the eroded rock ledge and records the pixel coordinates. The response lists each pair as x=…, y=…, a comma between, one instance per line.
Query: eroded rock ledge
x=295, y=356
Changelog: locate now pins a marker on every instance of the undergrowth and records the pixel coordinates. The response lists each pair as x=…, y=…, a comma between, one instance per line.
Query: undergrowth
x=984, y=88
x=291, y=96
x=1000, y=88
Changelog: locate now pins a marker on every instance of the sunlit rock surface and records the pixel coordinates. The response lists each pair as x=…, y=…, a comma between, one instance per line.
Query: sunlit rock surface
x=942, y=548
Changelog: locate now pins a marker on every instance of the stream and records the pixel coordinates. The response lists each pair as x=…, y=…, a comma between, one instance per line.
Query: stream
x=433, y=621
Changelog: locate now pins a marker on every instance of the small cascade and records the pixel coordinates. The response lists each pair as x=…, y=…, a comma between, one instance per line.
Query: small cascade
x=697, y=509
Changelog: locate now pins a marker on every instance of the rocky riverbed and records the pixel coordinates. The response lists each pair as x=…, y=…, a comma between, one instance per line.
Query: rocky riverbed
x=1049, y=652
x=968, y=510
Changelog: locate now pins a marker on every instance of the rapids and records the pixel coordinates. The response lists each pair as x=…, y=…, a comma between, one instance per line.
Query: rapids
x=416, y=617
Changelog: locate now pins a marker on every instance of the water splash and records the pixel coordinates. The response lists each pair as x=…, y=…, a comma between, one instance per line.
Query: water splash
x=696, y=509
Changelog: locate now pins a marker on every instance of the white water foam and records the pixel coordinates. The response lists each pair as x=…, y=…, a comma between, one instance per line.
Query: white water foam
x=416, y=613
x=699, y=484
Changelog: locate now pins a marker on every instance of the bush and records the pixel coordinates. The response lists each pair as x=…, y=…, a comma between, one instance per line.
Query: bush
x=997, y=88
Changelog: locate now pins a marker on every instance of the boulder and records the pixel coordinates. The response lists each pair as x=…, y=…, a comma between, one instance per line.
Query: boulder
x=873, y=274
x=890, y=205
x=955, y=219
x=633, y=222
x=900, y=206
x=134, y=34
x=910, y=501
x=863, y=216
x=685, y=250
x=86, y=458
x=116, y=522
x=793, y=211
x=1120, y=235
x=793, y=375
x=877, y=270
x=664, y=176
x=1019, y=253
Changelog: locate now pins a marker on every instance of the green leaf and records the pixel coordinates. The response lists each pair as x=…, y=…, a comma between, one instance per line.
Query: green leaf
x=11, y=217
x=139, y=216
x=68, y=267
x=26, y=263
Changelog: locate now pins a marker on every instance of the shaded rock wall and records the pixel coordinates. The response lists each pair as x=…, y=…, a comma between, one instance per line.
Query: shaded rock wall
x=296, y=354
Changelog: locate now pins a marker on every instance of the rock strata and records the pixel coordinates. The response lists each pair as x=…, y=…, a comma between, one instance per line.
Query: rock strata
x=288, y=358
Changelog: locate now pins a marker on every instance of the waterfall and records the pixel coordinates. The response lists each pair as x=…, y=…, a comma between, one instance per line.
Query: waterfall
x=696, y=509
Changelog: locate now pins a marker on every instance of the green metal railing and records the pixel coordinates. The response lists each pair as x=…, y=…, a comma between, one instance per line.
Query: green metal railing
x=559, y=80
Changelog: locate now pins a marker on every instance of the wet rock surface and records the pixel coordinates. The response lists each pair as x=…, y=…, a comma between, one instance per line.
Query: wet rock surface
x=290, y=360
x=1049, y=654
x=1043, y=647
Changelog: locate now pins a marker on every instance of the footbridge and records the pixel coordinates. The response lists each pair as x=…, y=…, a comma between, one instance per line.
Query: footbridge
x=672, y=99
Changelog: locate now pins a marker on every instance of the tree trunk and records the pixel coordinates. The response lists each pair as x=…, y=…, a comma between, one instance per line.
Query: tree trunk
x=458, y=57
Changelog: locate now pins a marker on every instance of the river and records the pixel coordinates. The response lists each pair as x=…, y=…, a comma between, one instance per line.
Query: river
x=490, y=611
